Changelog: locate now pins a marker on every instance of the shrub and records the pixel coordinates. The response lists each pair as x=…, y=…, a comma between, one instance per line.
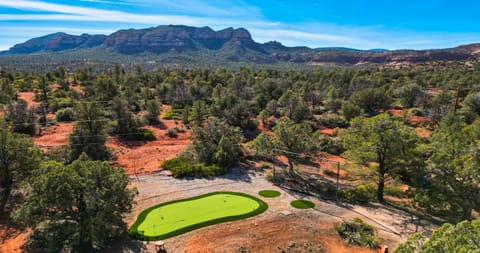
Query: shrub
x=66, y=114
x=180, y=129
x=182, y=167
x=363, y=194
x=357, y=232
x=171, y=132
x=331, y=120
x=140, y=135
x=330, y=145
x=172, y=114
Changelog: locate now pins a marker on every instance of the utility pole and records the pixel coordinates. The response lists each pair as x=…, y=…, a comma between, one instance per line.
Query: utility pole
x=134, y=165
x=273, y=163
x=338, y=176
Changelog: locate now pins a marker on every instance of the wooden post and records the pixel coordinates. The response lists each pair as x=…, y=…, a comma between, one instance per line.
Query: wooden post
x=338, y=176
x=273, y=163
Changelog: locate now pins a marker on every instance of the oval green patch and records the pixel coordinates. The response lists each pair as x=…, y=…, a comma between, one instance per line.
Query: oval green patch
x=302, y=204
x=269, y=193
x=180, y=216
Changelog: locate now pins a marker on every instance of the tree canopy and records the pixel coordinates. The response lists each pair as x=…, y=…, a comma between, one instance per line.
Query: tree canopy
x=462, y=237
x=381, y=139
x=79, y=206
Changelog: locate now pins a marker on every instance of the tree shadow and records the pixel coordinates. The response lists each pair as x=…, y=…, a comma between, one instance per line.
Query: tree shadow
x=125, y=244
x=159, y=125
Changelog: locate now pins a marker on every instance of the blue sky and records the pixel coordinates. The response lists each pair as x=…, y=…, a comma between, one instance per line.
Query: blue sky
x=390, y=24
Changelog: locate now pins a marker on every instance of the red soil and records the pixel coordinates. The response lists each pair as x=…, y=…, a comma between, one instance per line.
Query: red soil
x=28, y=96
x=11, y=238
x=54, y=136
x=412, y=119
x=143, y=157
x=133, y=156
x=329, y=131
x=284, y=234
x=422, y=132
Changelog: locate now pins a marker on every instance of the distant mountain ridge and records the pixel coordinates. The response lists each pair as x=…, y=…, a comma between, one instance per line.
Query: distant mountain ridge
x=185, y=45
x=58, y=42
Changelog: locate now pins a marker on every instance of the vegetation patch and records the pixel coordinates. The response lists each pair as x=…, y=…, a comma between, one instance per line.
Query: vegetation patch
x=175, y=217
x=140, y=135
x=363, y=194
x=172, y=114
x=302, y=204
x=269, y=193
x=357, y=232
x=182, y=167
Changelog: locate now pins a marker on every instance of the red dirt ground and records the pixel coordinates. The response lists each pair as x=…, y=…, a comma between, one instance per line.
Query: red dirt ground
x=329, y=131
x=422, y=132
x=11, y=239
x=28, y=96
x=284, y=234
x=412, y=119
x=54, y=136
x=144, y=157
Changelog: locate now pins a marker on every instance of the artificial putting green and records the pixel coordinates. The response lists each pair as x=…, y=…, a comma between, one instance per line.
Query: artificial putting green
x=302, y=204
x=180, y=216
x=269, y=193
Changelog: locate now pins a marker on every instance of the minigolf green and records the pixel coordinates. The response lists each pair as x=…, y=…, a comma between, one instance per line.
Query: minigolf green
x=269, y=193
x=302, y=204
x=180, y=216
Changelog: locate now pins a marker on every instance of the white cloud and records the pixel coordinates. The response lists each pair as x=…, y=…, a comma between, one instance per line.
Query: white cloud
x=111, y=2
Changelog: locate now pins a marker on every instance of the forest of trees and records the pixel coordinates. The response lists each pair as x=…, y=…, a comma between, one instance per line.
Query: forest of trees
x=53, y=193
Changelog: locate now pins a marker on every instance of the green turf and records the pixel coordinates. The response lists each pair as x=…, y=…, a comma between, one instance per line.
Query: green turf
x=180, y=216
x=269, y=193
x=302, y=204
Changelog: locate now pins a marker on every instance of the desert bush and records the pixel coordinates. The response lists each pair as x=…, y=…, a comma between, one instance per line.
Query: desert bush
x=357, y=232
x=66, y=114
x=330, y=145
x=331, y=120
x=363, y=194
x=172, y=114
x=171, y=132
x=180, y=129
x=182, y=167
x=140, y=135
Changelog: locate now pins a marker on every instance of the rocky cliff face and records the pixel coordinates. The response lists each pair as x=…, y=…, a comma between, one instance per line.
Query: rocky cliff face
x=230, y=45
x=165, y=39
x=58, y=42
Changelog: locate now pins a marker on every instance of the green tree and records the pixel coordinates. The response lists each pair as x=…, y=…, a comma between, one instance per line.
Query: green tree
x=370, y=99
x=263, y=145
x=123, y=115
x=381, y=139
x=463, y=237
x=198, y=113
x=89, y=132
x=18, y=158
x=216, y=143
x=45, y=90
x=409, y=94
x=350, y=111
x=292, y=139
x=21, y=117
x=77, y=207
x=105, y=89
x=440, y=105
x=153, y=110
x=453, y=174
